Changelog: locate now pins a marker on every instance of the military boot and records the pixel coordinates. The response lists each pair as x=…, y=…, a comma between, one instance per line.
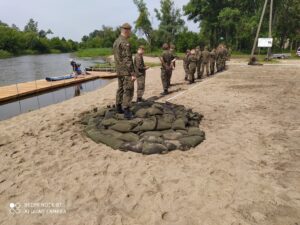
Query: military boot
x=119, y=109
x=140, y=99
x=128, y=114
x=166, y=92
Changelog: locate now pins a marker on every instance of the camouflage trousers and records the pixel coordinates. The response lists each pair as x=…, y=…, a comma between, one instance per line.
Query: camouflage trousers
x=125, y=91
x=165, y=76
x=186, y=70
x=204, y=67
x=192, y=72
x=141, y=85
x=212, y=67
x=219, y=65
x=199, y=72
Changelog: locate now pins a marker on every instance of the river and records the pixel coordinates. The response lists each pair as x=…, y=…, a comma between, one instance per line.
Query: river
x=29, y=68
x=36, y=67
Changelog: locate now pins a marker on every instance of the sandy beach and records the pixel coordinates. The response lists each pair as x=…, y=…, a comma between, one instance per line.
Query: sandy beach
x=246, y=172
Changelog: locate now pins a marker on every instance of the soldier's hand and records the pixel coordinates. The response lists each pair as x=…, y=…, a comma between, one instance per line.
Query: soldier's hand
x=147, y=67
x=133, y=77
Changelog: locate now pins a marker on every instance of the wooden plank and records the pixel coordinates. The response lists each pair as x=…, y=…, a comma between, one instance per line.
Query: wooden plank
x=23, y=89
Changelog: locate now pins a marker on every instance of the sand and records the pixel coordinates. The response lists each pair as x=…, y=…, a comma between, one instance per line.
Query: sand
x=246, y=172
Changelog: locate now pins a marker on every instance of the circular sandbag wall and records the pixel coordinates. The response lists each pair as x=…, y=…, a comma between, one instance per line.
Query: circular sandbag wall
x=156, y=128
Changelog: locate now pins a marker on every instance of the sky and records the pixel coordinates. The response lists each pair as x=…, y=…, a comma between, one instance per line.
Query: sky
x=74, y=19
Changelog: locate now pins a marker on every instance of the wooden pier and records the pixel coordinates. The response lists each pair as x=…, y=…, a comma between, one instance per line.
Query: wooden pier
x=15, y=91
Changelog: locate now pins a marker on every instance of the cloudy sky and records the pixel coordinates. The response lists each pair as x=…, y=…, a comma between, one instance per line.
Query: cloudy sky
x=73, y=19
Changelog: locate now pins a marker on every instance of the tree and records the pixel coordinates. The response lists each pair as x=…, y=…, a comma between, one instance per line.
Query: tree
x=31, y=26
x=143, y=23
x=171, y=23
x=44, y=34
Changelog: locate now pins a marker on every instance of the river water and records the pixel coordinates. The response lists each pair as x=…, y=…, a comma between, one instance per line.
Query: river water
x=29, y=68
x=36, y=67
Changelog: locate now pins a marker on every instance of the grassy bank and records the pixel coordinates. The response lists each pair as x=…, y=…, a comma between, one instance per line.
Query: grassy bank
x=5, y=54
x=94, y=52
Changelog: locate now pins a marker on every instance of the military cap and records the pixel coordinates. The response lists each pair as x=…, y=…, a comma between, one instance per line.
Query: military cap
x=126, y=26
x=142, y=47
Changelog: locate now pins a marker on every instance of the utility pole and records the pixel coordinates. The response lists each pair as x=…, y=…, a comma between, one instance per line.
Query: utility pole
x=270, y=28
x=258, y=29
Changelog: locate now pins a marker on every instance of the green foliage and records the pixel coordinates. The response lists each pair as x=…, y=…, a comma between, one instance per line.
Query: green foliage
x=94, y=52
x=31, y=40
x=237, y=21
x=171, y=23
x=4, y=54
x=143, y=24
x=31, y=26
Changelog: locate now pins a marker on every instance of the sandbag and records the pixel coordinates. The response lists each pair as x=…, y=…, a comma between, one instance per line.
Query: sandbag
x=109, y=114
x=109, y=122
x=175, y=143
x=146, y=125
x=151, y=133
x=154, y=111
x=132, y=146
x=99, y=137
x=172, y=135
x=152, y=139
x=163, y=124
x=129, y=137
x=113, y=133
x=179, y=124
x=123, y=126
x=170, y=146
x=100, y=112
x=191, y=141
x=153, y=148
x=141, y=113
x=195, y=131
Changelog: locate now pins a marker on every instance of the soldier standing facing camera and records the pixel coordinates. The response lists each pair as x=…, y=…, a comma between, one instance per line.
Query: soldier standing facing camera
x=166, y=68
x=141, y=73
x=185, y=64
x=125, y=71
x=192, y=65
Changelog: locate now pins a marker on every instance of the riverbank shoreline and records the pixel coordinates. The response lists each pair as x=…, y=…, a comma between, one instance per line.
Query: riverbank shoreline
x=245, y=172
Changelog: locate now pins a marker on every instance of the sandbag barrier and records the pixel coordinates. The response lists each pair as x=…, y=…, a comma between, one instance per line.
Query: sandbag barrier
x=156, y=128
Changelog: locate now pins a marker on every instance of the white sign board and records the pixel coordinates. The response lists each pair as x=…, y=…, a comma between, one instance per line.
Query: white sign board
x=265, y=42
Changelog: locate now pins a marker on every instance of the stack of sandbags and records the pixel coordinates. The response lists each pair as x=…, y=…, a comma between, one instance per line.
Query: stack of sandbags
x=155, y=128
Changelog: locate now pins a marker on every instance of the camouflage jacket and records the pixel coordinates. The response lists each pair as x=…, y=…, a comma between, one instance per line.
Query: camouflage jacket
x=185, y=61
x=213, y=56
x=205, y=56
x=139, y=64
x=123, y=57
x=166, y=58
x=192, y=62
x=199, y=56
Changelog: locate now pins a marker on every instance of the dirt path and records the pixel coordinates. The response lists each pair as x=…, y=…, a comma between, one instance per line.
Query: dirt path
x=246, y=172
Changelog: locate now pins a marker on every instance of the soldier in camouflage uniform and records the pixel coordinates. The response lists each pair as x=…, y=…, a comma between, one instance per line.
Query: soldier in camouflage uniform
x=140, y=72
x=173, y=57
x=166, y=68
x=125, y=71
x=199, y=62
x=225, y=57
x=205, y=61
x=185, y=64
x=212, y=61
x=219, y=56
x=192, y=65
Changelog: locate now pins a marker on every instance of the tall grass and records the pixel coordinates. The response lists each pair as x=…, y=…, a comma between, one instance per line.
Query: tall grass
x=94, y=52
x=5, y=54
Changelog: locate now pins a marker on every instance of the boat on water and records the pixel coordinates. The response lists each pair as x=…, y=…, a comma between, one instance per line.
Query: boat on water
x=66, y=77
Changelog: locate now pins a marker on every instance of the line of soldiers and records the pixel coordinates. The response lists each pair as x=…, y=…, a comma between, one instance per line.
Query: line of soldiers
x=197, y=61
x=129, y=69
